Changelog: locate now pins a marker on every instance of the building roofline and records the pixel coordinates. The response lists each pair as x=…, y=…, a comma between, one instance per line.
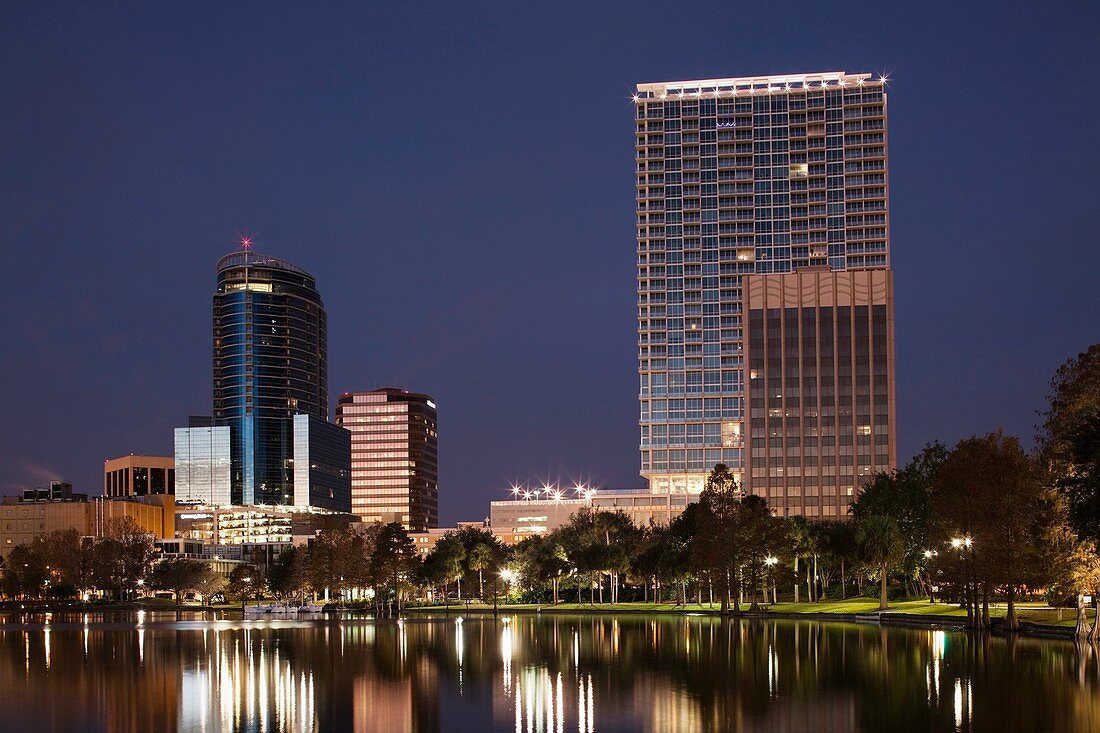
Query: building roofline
x=248, y=258
x=749, y=85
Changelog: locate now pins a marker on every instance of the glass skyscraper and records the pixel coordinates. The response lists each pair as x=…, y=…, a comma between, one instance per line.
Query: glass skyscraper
x=270, y=365
x=765, y=298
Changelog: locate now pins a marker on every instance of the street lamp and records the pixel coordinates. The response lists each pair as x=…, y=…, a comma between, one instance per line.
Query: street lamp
x=928, y=555
x=964, y=544
x=771, y=561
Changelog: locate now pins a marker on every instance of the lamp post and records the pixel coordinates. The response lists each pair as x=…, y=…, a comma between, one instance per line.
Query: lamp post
x=963, y=545
x=244, y=596
x=506, y=574
x=928, y=555
x=771, y=561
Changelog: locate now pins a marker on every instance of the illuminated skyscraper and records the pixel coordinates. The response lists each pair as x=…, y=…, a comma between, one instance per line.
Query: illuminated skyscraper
x=765, y=296
x=394, y=471
x=271, y=386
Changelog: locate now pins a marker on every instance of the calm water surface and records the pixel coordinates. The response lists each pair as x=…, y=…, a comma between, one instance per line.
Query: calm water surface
x=128, y=673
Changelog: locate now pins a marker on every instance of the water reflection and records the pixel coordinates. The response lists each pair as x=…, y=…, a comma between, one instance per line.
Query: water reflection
x=533, y=675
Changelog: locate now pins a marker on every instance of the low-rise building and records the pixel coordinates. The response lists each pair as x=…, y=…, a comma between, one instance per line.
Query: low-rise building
x=254, y=525
x=136, y=475
x=21, y=520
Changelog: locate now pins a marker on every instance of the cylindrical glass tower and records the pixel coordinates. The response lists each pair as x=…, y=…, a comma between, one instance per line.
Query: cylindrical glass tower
x=270, y=363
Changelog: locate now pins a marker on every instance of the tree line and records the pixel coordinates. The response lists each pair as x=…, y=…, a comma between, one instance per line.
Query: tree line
x=983, y=521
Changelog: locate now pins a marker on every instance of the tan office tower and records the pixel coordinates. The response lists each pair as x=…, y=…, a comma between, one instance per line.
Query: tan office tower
x=763, y=247
x=394, y=470
x=136, y=475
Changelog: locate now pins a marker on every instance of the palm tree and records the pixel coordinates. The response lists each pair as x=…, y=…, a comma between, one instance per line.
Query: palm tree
x=479, y=559
x=883, y=545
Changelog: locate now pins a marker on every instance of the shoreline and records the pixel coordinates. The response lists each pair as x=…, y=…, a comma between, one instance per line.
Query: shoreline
x=889, y=617
x=868, y=616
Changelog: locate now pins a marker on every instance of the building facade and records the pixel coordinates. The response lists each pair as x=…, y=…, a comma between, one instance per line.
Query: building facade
x=203, y=464
x=135, y=475
x=746, y=185
x=322, y=464
x=394, y=464
x=254, y=525
x=22, y=521
x=270, y=365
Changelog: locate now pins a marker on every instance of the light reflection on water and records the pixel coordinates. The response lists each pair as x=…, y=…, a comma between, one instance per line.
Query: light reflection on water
x=547, y=674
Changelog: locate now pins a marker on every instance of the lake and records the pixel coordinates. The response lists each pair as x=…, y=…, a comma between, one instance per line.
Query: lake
x=152, y=673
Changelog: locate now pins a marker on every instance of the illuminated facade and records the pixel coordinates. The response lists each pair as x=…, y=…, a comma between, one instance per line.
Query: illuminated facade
x=394, y=465
x=741, y=182
x=203, y=462
x=135, y=475
x=22, y=521
x=270, y=363
x=253, y=525
x=271, y=391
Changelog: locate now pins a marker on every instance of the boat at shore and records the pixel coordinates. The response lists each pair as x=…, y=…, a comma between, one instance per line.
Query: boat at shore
x=281, y=609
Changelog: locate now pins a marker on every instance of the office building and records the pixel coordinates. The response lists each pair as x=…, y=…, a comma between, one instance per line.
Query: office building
x=22, y=520
x=203, y=461
x=135, y=475
x=394, y=470
x=765, y=296
x=322, y=464
x=270, y=378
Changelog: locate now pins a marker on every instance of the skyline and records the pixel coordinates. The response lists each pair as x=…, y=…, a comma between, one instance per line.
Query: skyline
x=542, y=381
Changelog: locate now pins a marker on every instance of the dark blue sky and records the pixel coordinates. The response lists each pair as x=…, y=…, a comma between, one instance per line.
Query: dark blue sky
x=460, y=182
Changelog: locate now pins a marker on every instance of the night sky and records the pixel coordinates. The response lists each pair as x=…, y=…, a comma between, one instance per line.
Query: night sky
x=460, y=182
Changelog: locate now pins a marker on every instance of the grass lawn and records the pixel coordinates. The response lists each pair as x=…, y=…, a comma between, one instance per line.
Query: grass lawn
x=1038, y=613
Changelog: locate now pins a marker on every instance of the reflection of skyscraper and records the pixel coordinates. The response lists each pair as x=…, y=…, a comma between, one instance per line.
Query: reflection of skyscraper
x=271, y=365
x=765, y=298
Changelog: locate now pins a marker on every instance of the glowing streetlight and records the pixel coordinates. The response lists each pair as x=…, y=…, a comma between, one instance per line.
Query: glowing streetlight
x=961, y=542
x=507, y=575
x=771, y=560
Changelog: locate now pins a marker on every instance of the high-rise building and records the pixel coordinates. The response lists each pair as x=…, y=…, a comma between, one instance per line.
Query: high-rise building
x=765, y=296
x=136, y=475
x=394, y=470
x=270, y=377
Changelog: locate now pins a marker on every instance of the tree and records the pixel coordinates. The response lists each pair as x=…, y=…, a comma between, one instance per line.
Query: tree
x=541, y=560
x=66, y=559
x=134, y=548
x=394, y=559
x=882, y=543
x=208, y=583
x=995, y=501
x=447, y=558
x=26, y=573
x=245, y=582
x=333, y=560
x=178, y=575
x=905, y=497
x=1070, y=439
x=482, y=551
x=289, y=574
x=758, y=533
x=598, y=543
x=714, y=547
